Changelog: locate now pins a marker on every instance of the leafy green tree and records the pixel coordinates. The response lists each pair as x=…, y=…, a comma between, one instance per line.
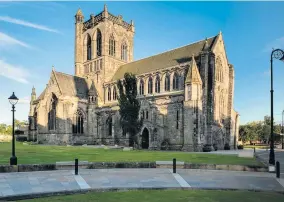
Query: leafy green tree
x=129, y=107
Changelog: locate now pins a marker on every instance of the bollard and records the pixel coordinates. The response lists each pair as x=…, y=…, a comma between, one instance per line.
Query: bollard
x=174, y=165
x=254, y=150
x=277, y=169
x=76, y=166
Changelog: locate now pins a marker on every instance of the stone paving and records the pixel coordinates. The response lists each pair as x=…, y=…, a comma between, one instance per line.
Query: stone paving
x=28, y=183
x=279, y=156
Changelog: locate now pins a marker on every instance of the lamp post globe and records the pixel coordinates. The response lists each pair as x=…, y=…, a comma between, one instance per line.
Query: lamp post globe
x=279, y=55
x=13, y=100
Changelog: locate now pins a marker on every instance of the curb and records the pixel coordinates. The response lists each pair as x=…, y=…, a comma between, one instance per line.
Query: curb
x=79, y=191
x=111, y=165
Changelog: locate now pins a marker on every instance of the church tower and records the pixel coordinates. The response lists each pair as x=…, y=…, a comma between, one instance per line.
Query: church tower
x=102, y=44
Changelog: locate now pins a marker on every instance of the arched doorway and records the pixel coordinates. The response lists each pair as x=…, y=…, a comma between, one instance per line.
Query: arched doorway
x=145, y=139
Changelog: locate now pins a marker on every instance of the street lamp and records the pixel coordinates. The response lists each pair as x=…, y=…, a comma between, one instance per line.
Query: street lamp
x=282, y=131
x=277, y=54
x=13, y=100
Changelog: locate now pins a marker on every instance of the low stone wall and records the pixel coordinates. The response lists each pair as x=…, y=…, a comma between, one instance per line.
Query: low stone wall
x=109, y=165
x=5, y=138
x=226, y=167
x=27, y=168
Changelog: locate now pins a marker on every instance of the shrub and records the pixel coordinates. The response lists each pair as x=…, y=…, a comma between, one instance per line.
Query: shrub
x=240, y=146
x=21, y=139
x=215, y=147
x=227, y=146
x=165, y=144
x=207, y=148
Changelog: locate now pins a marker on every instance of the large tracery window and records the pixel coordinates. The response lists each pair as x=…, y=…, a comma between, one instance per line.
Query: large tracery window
x=78, y=123
x=111, y=46
x=176, y=82
x=99, y=43
x=89, y=48
x=150, y=85
x=141, y=87
x=157, y=84
x=52, y=113
x=167, y=82
x=124, y=51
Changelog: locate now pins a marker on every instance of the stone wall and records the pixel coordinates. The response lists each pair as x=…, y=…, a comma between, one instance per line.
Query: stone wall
x=5, y=138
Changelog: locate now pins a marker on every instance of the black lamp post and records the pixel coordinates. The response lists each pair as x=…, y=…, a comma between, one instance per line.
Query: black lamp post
x=282, y=131
x=13, y=100
x=277, y=54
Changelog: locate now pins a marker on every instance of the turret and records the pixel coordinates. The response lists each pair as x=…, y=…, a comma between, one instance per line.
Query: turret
x=92, y=94
x=193, y=82
x=79, y=23
x=33, y=98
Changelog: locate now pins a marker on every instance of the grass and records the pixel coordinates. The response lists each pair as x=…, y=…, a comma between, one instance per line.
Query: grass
x=257, y=146
x=39, y=154
x=170, y=196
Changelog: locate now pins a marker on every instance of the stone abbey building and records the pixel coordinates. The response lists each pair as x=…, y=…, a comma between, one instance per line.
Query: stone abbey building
x=186, y=93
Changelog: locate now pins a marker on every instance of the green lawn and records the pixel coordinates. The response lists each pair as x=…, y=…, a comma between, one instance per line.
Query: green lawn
x=170, y=196
x=38, y=154
x=257, y=146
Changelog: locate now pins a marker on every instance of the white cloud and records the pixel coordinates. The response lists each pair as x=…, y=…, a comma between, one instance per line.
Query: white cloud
x=277, y=43
x=14, y=72
x=27, y=24
x=6, y=40
x=24, y=100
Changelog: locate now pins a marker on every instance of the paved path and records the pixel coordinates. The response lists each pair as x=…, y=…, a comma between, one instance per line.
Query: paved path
x=279, y=156
x=27, y=183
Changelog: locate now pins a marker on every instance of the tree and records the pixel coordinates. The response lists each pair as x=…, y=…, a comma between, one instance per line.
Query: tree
x=129, y=107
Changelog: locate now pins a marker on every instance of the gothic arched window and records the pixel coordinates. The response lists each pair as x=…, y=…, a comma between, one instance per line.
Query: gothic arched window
x=157, y=84
x=35, y=120
x=221, y=106
x=150, y=85
x=109, y=123
x=78, y=123
x=124, y=51
x=177, y=119
x=89, y=48
x=175, y=82
x=141, y=87
x=109, y=94
x=219, y=70
x=114, y=93
x=52, y=113
x=111, y=46
x=167, y=82
x=99, y=43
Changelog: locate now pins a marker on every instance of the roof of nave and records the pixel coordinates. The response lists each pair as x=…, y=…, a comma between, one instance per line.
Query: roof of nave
x=164, y=60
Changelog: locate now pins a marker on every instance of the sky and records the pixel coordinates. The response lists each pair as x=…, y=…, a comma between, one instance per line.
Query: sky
x=34, y=36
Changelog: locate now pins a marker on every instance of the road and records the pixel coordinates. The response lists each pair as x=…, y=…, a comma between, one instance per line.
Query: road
x=279, y=156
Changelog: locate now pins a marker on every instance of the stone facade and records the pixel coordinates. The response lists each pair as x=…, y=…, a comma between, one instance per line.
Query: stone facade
x=186, y=94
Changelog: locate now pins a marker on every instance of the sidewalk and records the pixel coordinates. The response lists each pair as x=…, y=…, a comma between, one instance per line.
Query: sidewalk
x=29, y=183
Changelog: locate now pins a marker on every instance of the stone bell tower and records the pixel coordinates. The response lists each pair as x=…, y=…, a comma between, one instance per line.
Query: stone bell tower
x=102, y=44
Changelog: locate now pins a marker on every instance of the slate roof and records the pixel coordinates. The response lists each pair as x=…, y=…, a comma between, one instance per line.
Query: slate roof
x=164, y=60
x=72, y=85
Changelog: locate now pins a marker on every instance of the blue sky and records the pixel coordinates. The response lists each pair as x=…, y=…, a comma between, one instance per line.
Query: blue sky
x=36, y=35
